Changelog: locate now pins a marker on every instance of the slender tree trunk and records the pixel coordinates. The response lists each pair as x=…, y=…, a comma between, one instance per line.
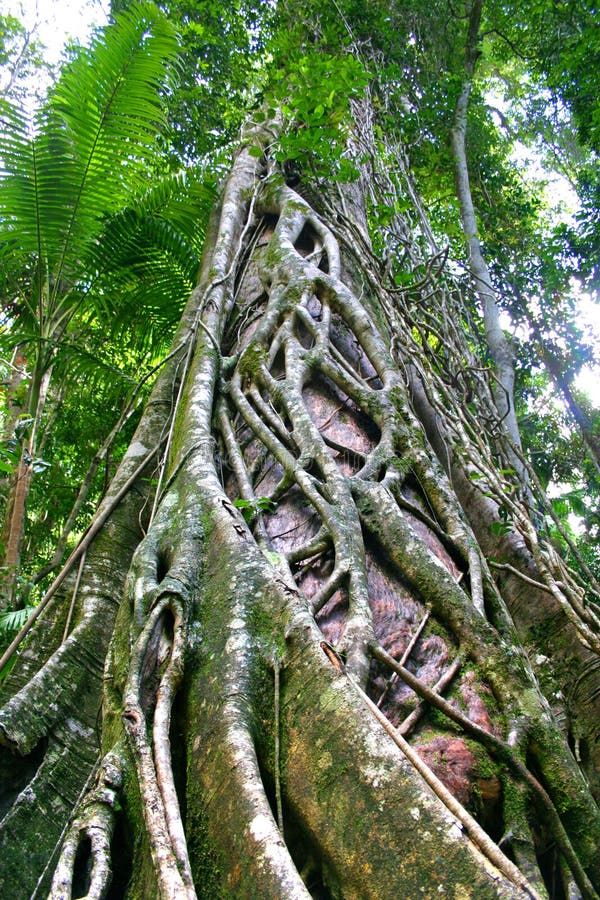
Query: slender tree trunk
x=13, y=409
x=283, y=573
x=501, y=352
x=581, y=418
x=16, y=505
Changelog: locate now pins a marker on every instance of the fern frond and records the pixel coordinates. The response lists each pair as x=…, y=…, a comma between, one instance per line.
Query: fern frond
x=14, y=619
x=92, y=150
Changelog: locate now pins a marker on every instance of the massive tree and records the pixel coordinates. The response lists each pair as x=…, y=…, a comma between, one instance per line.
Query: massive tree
x=318, y=639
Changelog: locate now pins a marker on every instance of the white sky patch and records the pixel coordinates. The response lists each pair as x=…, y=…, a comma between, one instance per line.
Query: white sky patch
x=588, y=379
x=55, y=22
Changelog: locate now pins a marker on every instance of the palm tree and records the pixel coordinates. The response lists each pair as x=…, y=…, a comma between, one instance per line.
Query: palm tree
x=76, y=209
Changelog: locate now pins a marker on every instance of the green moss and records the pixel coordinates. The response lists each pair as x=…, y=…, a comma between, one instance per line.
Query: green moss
x=271, y=256
x=338, y=774
x=253, y=357
x=266, y=630
x=143, y=879
x=486, y=767
x=515, y=809
x=204, y=858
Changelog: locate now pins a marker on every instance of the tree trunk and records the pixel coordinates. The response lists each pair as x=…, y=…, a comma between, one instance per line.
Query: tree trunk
x=13, y=409
x=13, y=528
x=501, y=352
x=283, y=573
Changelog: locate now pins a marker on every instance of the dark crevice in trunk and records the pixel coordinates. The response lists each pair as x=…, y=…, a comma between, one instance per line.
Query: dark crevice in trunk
x=547, y=853
x=549, y=863
x=179, y=752
x=304, y=851
x=17, y=771
x=305, y=242
x=153, y=663
x=82, y=868
x=121, y=852
x=163, y=564
x=306, y=857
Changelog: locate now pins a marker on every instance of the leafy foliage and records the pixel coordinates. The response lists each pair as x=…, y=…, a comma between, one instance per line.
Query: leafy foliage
x=94, y=144
x=221, y=44
x=13, y=620
x=252, y=508
x=312, y=95
x=99, y=248
x=20, y=59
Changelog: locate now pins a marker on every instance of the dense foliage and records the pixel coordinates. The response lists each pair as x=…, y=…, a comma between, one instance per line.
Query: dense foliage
x=100, y=248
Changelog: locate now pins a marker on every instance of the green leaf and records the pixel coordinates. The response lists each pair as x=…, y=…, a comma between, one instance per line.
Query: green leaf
x=14, y=619
x=501, y=528
x=94, y=140
x=251, y=508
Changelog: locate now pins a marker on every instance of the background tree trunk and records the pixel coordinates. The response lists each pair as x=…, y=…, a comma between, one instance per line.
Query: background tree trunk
x=13, y=526
x=501, y=352
x=293, y=555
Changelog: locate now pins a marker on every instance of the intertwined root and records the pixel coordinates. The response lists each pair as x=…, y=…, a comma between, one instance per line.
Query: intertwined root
x=301, y=528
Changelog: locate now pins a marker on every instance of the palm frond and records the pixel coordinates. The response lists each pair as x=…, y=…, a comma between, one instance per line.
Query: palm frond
x=94, y=145
x=153, y=249
x=14, y=619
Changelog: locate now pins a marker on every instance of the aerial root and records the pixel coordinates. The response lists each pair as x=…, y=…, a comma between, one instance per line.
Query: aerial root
x=408, y=725
x=472, y=828
x=86, y=847
x=467, y=822
x=404, y=658
x=153, y=760
x=328, y=589
x=503, y=752
x=277, y=740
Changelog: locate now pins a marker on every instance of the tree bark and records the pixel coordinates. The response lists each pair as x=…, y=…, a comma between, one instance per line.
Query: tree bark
x=235, y=615
x=16, y=506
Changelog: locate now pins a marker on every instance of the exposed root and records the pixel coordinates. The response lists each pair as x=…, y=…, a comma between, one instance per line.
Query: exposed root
x=153, y=762
x=86, y=848
x=411, y=721
x=405, y=657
